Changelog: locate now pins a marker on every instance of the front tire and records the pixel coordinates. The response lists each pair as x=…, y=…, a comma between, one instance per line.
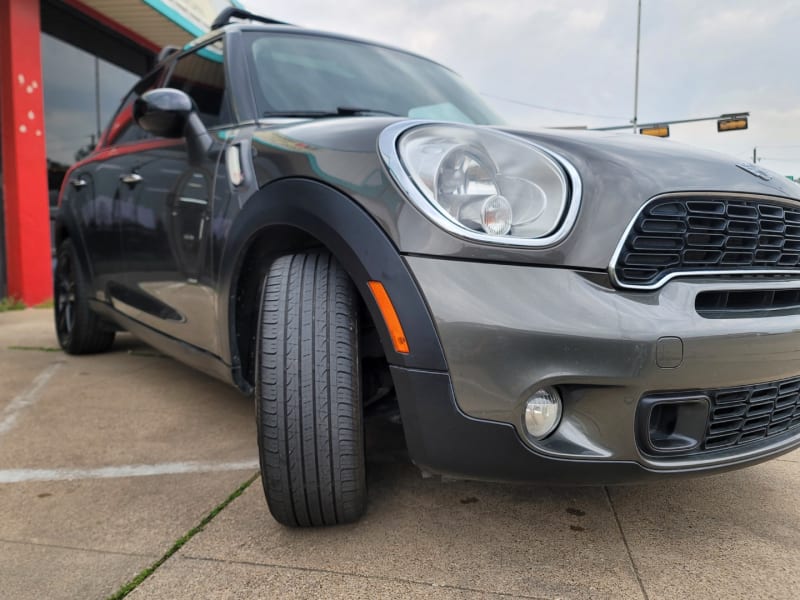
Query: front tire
x=308, y=393
x=79, y=329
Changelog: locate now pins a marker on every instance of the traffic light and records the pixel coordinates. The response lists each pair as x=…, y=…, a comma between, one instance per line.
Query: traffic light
x=732, y=123
x=655, y=130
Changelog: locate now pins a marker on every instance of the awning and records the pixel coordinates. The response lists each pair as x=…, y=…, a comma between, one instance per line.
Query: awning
x=156, y=23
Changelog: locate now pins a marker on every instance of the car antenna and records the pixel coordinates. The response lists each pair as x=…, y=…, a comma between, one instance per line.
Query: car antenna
x=238, y=13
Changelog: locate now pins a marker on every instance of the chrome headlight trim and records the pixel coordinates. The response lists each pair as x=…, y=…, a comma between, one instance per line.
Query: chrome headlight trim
x=388, y=150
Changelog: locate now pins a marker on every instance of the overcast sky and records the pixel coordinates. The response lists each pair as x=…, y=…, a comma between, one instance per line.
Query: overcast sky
x=698, y=58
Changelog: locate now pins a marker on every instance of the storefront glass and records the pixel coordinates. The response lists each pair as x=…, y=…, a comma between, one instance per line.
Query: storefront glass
x=81, y=93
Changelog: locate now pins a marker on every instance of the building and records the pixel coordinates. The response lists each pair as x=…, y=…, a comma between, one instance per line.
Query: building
x=64, y=66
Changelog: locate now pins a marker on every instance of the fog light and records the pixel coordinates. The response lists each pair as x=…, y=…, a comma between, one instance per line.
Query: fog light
x=542, y=412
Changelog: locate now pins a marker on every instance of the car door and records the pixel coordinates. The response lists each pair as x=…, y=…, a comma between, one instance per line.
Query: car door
x=101, y=194
x=94, y=217
x=104, y=240
x=166, y=243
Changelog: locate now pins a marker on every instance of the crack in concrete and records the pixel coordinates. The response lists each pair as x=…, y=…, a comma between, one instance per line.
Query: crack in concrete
x=76, y=548
x=445, y=586
x=131, y=585
x=625, y=542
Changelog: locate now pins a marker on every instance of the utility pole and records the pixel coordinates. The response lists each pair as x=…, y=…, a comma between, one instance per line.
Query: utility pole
x=636, y=83
x=755, y=155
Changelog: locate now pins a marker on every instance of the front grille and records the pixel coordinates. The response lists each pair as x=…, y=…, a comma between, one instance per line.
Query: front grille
x=708, y=233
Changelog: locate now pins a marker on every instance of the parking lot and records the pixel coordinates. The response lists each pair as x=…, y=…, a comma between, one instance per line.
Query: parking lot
x=107, y=461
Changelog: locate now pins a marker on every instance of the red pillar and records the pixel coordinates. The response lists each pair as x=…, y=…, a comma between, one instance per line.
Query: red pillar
x=27, y=219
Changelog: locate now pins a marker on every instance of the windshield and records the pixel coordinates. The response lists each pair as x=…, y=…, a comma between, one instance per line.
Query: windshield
x=308, y=76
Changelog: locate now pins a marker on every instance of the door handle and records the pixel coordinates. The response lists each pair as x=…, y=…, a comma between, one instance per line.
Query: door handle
x=78, y=183
x=131, y=178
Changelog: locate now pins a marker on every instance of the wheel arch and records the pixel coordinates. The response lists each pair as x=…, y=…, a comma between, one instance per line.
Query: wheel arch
x=65, y=227
x=60, y=232
x=297, y=214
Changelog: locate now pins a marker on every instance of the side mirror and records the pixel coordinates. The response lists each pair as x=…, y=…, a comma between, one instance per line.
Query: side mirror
x=163, y=112
x=171, y=113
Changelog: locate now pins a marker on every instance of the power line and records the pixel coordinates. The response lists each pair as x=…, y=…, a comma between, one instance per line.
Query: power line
x=727, y=116
x=779, y=146
x=551, y=109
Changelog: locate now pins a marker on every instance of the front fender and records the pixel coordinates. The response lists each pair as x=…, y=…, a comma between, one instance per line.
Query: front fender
x=356, y=241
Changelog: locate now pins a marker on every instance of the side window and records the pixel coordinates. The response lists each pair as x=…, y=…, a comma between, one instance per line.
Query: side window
x=201, y=75
x=123, y=128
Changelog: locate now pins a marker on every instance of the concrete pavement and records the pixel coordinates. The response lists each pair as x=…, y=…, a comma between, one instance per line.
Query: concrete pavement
x=106, y=461
x=84, y=537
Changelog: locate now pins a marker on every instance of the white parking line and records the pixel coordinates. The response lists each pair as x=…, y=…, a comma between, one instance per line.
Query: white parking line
x=177, y=468
x=8, y=417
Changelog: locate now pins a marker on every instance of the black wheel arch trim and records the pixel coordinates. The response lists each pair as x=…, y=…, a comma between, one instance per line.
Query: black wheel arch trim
x=355, y=240
x=65, y=226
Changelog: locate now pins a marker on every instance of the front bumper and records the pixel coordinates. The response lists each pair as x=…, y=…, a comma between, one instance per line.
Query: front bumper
x=509, y=330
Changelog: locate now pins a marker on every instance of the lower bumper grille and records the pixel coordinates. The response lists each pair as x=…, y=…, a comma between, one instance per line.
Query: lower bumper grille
x=736, y=416
x=747, y=414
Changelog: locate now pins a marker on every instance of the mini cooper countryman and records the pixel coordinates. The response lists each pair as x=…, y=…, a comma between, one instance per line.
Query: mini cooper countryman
x=327, y=223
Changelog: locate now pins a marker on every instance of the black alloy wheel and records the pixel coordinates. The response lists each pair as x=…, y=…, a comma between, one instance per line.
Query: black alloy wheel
x=65, y=298
x=79, y=329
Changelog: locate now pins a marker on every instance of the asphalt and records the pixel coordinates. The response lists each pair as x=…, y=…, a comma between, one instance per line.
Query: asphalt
x=107, y=461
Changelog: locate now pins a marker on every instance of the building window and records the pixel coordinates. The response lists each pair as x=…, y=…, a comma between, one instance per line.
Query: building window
x=81, y=92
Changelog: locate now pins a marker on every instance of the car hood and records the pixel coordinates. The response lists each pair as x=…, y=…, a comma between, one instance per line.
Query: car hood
x=619, y=173
x=655, y=165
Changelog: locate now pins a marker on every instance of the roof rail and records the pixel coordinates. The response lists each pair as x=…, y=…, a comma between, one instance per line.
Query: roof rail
x=167, y=51
x=232, y=12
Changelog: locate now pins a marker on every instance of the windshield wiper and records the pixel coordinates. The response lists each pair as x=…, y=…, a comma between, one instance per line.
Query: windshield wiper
x=341, y=111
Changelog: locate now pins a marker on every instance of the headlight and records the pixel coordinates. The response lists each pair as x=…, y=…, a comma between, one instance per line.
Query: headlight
x=483, y=184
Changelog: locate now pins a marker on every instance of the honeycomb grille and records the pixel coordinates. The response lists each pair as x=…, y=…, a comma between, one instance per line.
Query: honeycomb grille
x=743, y=415
x=708, y=233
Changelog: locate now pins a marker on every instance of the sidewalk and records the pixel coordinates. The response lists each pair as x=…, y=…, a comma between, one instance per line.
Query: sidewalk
x=107, y=461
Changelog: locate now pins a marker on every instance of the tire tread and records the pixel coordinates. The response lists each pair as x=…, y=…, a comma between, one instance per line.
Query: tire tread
x=308, y=393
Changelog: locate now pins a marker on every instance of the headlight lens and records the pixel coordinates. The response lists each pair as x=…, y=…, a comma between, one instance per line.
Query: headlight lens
x=485, y=184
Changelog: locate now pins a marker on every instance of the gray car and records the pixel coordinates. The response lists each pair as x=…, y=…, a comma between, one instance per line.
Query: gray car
x=337, y=227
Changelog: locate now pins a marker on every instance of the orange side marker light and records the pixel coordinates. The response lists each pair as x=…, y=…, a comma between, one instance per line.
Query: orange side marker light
x=389, y=317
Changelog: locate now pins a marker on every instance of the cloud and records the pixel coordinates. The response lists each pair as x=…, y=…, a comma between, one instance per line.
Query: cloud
x=697, y=58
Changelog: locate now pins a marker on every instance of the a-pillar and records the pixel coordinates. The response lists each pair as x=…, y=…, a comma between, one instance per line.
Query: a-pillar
x=27, y=220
